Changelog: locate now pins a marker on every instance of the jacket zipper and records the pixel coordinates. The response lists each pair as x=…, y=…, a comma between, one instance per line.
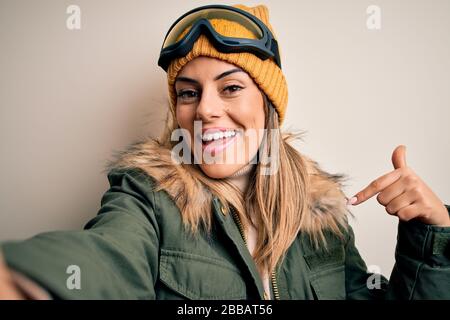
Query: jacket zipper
x=273, y=277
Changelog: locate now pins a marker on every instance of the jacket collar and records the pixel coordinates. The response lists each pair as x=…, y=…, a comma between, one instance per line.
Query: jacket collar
x=327, y=200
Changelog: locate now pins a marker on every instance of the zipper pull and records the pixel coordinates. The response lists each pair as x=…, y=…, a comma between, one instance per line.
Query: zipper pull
x=223, y=210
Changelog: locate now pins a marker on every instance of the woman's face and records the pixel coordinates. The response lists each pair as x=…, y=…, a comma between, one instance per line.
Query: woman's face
x=230, y=107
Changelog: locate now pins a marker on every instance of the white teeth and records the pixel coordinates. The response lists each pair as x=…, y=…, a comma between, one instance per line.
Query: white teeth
x=218, y=135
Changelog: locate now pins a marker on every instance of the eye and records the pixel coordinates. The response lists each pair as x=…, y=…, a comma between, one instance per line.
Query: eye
x=233, y=88
x=187, y=94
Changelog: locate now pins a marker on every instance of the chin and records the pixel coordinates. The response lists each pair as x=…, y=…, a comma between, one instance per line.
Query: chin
x=219, y=171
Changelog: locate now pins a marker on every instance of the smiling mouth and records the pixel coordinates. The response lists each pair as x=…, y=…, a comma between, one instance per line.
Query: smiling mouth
x=217, y=141
x=208, y=138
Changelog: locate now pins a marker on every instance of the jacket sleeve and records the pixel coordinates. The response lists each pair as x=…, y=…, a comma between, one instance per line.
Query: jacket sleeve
x=115, y=256
x=421, y=270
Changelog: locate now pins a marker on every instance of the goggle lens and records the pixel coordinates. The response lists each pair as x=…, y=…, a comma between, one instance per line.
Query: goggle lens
x=210, y=14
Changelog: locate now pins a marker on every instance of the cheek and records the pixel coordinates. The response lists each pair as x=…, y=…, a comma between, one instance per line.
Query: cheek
x=185, y=116
x=251, y=115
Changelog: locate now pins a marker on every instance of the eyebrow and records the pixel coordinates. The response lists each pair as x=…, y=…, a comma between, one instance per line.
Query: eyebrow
x=220, y=76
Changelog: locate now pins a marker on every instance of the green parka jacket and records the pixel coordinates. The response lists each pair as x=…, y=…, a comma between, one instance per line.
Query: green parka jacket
x=137, y=247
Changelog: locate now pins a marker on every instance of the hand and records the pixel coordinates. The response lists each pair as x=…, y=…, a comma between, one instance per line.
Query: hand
x=404, y=194
x=8, y=290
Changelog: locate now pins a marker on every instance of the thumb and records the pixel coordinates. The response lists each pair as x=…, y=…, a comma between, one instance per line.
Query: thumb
x=399, y=157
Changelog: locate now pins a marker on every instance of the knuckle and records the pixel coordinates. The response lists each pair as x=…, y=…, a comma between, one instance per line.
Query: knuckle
x=416, y=191
x=360, y=195
x=389, y=210
x=426, y=215
x=411, y=180
x=375, y=184
x=408, y=217
x=403, y=215
x=427, y=208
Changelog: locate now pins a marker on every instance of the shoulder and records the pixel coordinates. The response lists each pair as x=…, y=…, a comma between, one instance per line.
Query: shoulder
x=133, y=181
x=135, y=175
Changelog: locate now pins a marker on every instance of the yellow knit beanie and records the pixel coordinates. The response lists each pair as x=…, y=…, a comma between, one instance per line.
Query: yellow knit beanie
x=266, y=74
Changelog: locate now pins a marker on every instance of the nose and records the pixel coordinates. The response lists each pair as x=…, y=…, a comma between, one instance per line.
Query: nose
x=210, y=106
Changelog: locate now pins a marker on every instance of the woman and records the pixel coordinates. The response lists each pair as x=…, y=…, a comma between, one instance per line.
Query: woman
x=222, y=206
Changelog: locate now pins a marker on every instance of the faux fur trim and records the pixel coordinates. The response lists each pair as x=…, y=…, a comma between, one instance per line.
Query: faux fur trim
x=327, y=200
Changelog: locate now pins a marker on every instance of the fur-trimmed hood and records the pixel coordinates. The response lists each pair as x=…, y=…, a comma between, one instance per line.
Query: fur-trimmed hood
x=327, y=201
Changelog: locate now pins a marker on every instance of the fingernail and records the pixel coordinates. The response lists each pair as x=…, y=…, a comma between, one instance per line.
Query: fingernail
x=352, y=200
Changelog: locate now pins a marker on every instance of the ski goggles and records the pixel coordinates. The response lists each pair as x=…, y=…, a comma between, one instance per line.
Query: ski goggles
x=262, y=44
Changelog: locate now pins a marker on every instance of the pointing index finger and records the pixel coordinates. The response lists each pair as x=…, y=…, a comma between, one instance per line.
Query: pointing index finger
x=377, y=186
